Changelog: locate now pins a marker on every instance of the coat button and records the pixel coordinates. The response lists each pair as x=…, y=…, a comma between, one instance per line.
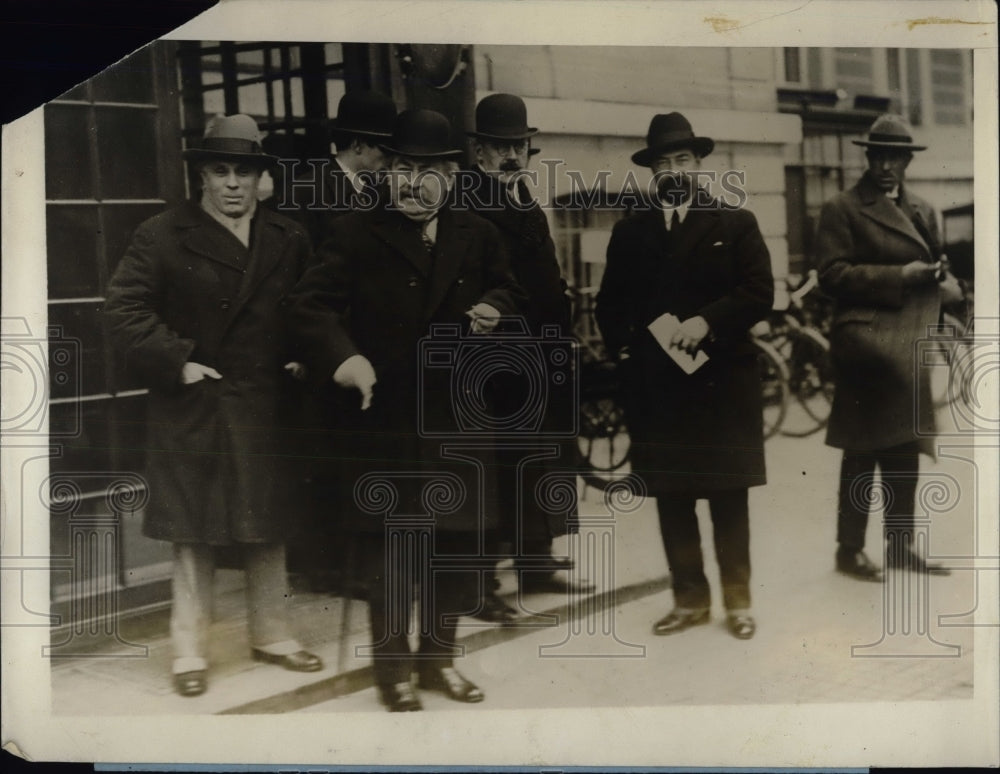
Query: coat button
x=461, y=281
x=224, y=303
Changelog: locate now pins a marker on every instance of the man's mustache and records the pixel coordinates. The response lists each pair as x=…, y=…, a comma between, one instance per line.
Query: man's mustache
x=509, y=165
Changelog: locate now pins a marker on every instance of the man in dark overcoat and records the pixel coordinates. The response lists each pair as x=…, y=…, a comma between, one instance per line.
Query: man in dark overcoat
x=401, y=296
x=879, y=258
x=496, y=190
x=698, y=435
x=194, y=310
x=321, y=193
x=320, y=551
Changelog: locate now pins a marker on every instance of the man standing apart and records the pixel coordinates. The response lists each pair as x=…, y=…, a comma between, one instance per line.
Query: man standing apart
x=694, y=435
x=879, y=257
x=194, y=309
x=497, y=192
x=387, y=279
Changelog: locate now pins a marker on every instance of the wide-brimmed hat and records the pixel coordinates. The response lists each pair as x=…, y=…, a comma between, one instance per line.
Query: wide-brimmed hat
x=366, y=113
x=421, y=134
x=890, y=131
x=667, y=132
x=231, y=138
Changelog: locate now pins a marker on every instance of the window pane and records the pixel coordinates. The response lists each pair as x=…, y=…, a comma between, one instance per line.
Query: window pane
x=792, y=70
x=120, y=221
x=126, y=148
x=914, y=98
x=131, y=80
x=71, y=232
x=89, y=450
x=948, y=84
x=81, y=322
x=67, y=152
x=854, y=70
x=128, y=419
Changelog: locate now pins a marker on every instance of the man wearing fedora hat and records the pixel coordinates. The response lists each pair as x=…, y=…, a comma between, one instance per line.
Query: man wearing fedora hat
x=695, y=435
x=496, y=190
x=347, y=183
x=193, y=309
x=879, y=257
x=388, y=279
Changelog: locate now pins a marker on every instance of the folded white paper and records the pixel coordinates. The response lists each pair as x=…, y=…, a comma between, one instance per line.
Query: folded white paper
x=663, y=329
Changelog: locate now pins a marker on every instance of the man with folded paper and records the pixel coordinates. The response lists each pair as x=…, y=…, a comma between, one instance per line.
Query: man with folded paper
x=685, y=280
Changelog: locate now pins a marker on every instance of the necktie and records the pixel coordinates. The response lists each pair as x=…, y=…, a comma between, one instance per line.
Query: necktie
x=675, y=221
x=425, y=237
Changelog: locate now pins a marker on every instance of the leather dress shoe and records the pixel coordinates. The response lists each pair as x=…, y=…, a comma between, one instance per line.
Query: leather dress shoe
x=299, y=661
x=495, y=610
x=451, y=682
x=908, y=560
x=857, y=565
x=192, y=683
x=677, y=621
x=400, y=697
x=538, y=583
x=742, y=626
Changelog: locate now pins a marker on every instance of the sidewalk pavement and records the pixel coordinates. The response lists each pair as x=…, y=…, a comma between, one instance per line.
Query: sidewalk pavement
x=599, y=650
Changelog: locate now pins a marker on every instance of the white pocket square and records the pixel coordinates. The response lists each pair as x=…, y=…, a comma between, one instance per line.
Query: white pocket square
x=717, y=244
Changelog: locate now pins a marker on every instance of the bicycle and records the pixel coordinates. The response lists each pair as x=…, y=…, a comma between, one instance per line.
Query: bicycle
x=805, y=352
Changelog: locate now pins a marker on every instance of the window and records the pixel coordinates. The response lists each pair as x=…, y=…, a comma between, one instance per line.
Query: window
x=112, y=160
x=948, y=86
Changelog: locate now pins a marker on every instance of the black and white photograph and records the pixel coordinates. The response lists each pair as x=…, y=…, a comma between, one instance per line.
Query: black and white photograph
x=600, y=393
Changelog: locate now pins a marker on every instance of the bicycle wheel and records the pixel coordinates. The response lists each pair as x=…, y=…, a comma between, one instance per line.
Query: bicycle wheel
x=810, y=382
x=603, y=441
x=774, y=386
x=954, y=382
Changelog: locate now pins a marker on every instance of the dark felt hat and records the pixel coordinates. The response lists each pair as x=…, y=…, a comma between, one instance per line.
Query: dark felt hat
x=231, y=138
x=366, y=113
x=890, y=131
x=421, y=134
x=502, y=117
x=668, y=132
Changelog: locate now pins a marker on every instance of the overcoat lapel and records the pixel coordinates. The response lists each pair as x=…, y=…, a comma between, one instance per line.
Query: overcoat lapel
x=695, y=226
x=266, y=252
x=449, y=251
x=402, y=236
x=203, y=236
x=879, y=208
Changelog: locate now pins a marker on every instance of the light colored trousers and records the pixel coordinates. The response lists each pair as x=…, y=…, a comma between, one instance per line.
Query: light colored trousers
x=267, y=602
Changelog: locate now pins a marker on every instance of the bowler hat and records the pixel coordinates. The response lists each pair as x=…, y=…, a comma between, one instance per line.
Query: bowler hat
x=667, y=132
x=502, y=117
x=890, y=131
x=367, y=113
x=421, y=134
x=231, y=138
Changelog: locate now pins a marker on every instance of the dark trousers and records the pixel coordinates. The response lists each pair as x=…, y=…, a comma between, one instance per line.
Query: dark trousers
x=899, y=466
x=400, y=564
x=682, y=543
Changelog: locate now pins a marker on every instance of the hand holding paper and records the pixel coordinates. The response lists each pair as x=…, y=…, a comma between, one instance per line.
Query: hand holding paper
x=669, y=332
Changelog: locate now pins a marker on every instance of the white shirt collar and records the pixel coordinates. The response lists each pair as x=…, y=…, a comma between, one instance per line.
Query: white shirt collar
x=681, y=209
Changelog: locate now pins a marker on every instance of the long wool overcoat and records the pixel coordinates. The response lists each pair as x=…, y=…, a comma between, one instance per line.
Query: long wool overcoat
x=379, y=292
x=701, y=432
x=882, y=397
x=188, y=290
x=525, y=234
